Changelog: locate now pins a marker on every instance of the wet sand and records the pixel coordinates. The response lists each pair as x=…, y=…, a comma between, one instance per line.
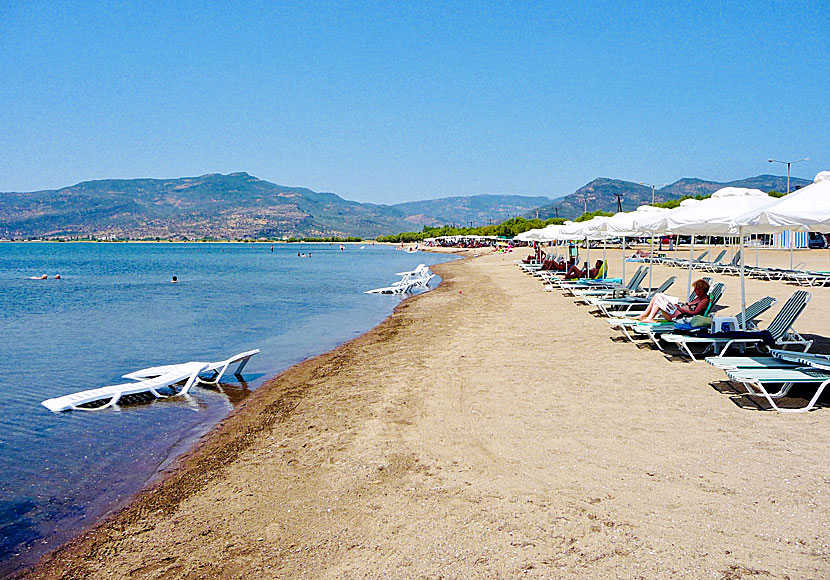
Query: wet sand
x=488, y=429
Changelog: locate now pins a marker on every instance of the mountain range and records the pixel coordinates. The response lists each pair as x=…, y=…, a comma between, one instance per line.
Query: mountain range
x=601, y=194
x=240, y=206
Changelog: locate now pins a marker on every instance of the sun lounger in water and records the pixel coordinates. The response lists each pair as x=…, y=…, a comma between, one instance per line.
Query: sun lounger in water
x=109, y=396
x=217, y=368
x=151, y=380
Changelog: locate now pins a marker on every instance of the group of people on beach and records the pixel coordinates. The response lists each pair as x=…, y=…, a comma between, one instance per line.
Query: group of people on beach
x=572, y=271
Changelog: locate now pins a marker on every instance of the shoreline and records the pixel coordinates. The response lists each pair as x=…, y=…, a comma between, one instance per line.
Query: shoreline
x=468, y=435
x=181, y=465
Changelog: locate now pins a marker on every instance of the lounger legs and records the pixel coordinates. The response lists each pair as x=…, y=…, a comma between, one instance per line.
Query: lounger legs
x=190, y=381
x=238, y=372
x=784, y=390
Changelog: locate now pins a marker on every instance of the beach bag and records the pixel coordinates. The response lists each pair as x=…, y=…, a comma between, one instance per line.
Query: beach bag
x=699, y=321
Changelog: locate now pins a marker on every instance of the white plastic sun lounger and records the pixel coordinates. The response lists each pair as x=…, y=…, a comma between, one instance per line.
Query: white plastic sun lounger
x=217, y=368
x=754, y=381
x=187, y=373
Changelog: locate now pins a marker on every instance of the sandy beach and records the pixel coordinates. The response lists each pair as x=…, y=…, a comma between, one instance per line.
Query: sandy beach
x=489, y=429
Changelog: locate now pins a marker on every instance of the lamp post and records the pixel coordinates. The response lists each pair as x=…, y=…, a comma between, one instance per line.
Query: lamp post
x=788, y=163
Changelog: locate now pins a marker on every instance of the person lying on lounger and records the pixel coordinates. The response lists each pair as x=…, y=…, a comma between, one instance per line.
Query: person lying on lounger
x=575, y=272
x=671, y=309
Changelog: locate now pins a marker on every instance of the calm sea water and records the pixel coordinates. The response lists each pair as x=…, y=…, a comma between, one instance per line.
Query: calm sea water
x=115, y=310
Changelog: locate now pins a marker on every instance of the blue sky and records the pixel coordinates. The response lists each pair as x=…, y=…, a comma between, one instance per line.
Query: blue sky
x=389, y=102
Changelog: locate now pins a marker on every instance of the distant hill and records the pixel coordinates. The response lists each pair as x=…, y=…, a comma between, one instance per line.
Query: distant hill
x=478, y=209
x=210, y=206
x=234, y=206
x=600, y=194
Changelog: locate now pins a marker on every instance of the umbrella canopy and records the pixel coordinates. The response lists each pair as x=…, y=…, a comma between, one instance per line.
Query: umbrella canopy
x=549, y=233
x=583, y=230
x=528, y=236
x=711, y=216
x=807, y=209
x=655, y=222
x=625, y=223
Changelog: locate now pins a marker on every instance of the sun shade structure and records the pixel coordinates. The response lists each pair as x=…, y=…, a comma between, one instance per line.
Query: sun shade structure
x=711, y=216
x=624, y=225
x=807, y=209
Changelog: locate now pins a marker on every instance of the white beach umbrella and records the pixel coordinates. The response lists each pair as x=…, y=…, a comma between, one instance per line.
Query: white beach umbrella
x=713, y=216
x=624, y=225
x=550, y=233
x=587, y=230
x=807, y=209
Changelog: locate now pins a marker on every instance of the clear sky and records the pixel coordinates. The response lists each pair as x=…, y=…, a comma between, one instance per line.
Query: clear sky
x=396, y=101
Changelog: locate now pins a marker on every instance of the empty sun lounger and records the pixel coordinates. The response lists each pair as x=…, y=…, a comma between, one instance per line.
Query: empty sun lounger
x=217, y=368
x=755, y=381
x=109, y=396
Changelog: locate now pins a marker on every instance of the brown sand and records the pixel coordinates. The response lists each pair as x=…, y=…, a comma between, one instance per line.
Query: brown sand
x=488, y=429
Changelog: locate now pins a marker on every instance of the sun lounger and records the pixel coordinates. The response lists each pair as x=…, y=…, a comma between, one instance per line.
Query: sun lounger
x=749, y=362
x=654, y=330
x=680, y=262
x=593, y=290
x=711, y=264
x=733, y=267
x=607, y=305
x=808, y=278
x=756, y=381
x=821, y=361
x=637, y=308
x=417, y=278
x=109, y=396
x=780, y=330
x=216, y=368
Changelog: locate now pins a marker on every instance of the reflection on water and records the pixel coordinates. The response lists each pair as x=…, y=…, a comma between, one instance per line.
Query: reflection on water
x=113, y=311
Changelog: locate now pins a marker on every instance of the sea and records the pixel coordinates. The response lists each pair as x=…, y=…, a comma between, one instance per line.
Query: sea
x=115, y=310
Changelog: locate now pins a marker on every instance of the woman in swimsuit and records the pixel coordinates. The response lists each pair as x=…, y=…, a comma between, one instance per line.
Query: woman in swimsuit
x=671, y=310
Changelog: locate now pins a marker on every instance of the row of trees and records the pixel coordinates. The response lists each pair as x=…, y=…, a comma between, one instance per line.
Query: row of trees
x=508, y=229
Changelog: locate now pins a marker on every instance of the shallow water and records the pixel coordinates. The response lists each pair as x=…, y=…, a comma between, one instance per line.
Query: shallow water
x=115, y=310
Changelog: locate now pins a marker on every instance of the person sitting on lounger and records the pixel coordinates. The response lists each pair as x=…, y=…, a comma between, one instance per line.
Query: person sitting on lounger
x=671, y=309
x=574, y=272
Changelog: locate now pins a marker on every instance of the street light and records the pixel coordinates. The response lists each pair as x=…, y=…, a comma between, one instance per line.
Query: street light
x=788, y=163
x=652, y=189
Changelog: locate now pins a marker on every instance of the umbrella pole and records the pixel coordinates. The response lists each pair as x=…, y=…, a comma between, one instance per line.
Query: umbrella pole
x=604, y=243
x=587, y=257
x=691, y=255
x=743, y=281
x=650, y=263
x=623, y=258
x=792, y=244
x=757, y=248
